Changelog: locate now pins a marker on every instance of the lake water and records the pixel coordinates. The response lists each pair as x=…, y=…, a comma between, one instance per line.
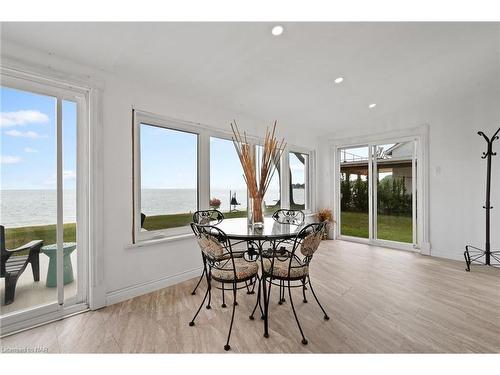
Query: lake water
x=20, y=208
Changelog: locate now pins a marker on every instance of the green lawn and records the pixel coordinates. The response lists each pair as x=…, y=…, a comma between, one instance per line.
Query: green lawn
x=179, y=220
x=19, y=236
x=394, y=228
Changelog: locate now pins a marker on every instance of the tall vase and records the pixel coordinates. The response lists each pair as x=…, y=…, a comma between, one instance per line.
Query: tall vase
x=256, y=212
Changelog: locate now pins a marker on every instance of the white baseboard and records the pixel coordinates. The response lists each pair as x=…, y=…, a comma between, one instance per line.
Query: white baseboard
x=458, y=255
x=150, y=286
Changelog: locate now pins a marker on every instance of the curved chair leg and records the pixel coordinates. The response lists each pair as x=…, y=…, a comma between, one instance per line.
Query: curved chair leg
x=326, y=317
x=223, y=297
x=191, y=323
x=227, y=347
x=260, y=304
x=304, y=340
x=253, y=282
x=250, y=291
x=283, y=300
x=304, y=290
x=199, y=281
x=280, y=300
x=266, y=309
x=257, y=303
x=209, y=292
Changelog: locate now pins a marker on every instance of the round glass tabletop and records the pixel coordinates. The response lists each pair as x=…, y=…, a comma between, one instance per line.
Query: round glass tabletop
x=239, y=229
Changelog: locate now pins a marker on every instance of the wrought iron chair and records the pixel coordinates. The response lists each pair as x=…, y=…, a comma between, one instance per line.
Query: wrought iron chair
x=286, y=216
x=12, y=266
x=204, y=217
x=222, y=266
x=293, y=266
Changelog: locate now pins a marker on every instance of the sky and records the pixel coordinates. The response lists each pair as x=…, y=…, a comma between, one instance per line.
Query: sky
x=168, y=157
x=28, y=141
x=159, y=145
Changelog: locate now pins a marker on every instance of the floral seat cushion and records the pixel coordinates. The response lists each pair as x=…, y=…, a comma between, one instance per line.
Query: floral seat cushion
x=280, y=268
x=243, y=269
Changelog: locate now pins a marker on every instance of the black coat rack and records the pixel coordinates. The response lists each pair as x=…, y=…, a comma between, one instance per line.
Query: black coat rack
x=474, y=254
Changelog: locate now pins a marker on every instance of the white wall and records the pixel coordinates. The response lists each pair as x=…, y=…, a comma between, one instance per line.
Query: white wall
x=457, y=172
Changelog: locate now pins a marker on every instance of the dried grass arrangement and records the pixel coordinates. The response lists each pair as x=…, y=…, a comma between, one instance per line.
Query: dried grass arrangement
x=258, y=181
x=325, y=214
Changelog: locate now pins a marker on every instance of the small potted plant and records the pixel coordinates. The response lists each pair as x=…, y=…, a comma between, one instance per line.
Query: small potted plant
x=214, y=203
x=325, y=214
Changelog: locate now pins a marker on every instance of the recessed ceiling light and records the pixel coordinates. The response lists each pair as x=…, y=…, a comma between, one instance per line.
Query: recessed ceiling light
x=338, y=79
x=277, y=30
x=373, y=105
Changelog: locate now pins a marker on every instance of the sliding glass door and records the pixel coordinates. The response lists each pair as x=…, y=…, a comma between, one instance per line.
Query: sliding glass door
x=354, y=196
x=393, y=206
x=377, y=191
x=43, y=260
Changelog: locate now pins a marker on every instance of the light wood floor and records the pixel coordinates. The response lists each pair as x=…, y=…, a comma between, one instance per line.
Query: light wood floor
x=379, y=300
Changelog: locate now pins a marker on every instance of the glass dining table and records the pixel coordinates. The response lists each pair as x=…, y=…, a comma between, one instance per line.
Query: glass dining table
x=261, y=242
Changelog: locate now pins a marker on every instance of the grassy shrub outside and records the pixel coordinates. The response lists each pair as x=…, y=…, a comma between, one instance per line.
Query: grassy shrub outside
x=390, y=227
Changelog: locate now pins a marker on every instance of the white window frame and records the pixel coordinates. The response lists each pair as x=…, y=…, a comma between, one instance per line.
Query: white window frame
x=308, y=178
x=141, y=117
x=204, y=133
x=420, y=204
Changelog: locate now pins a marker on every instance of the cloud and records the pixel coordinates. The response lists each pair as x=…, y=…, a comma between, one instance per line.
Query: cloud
x=30, y=150
x=28, y=134
x=7, y=159
x=30, y=116
x=69, y=175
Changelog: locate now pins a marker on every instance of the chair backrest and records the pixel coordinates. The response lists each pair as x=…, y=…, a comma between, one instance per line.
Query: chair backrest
x=311, y=237
x=306, y=241
x=215, y=247
x=143, y=218
x=205, y=217
x=284, y=216
x=4, y=254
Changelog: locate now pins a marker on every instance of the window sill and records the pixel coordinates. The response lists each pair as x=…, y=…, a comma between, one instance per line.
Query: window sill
x=158, y=241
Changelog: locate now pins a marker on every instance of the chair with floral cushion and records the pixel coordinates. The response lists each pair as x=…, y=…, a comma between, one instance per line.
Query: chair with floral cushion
x=293, y=217
x=291, y=268
x=222, y=266
x=204, y=217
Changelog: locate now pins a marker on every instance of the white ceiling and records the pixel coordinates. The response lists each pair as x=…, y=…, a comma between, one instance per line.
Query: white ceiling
x=289, y=78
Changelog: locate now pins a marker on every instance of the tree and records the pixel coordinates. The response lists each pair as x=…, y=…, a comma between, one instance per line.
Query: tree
x=345, y=190
x=360, y=194
x=392, y=196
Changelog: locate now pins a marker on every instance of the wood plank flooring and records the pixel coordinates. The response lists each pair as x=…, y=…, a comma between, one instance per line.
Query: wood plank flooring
x=379, y=301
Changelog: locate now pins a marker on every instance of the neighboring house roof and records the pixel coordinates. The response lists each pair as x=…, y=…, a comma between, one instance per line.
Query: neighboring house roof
x=391, y=149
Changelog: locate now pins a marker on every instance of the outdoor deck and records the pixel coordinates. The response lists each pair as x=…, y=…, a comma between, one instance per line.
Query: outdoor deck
x=30, y=294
